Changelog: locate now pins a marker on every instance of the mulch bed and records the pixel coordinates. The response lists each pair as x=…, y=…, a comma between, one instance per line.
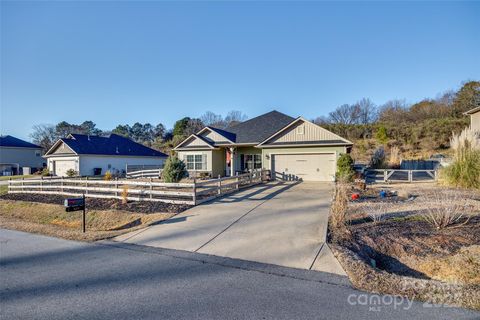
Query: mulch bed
x=103, y=204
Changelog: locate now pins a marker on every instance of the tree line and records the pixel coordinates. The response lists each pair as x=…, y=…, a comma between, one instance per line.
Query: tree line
x=155, y=136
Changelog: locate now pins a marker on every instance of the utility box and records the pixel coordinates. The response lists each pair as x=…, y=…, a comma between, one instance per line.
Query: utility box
x=26, y=170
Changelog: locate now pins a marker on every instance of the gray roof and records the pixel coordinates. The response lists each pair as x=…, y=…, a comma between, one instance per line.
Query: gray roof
x=113, y=145
x=259, y=128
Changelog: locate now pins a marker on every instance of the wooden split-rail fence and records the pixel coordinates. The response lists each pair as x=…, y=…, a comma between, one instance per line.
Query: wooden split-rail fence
x=192, y=193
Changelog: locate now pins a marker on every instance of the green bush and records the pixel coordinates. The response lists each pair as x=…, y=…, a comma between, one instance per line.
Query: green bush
x=45, y=172
x=345, y=170
x=71, y=173
x=464, y=172
x=174, y=170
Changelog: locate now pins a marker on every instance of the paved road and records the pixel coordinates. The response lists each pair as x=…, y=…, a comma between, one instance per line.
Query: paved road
x=277, y=223
x=48, y=278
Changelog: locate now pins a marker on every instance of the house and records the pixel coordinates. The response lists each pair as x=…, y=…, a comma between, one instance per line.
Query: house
x=95, y=155
x=474, y=118
x=18, y=156
x=292, y=148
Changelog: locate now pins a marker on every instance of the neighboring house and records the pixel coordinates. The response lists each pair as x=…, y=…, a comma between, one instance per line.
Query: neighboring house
x=94, y=155
x=292, y=148
x=474, y=118
x=16, y=154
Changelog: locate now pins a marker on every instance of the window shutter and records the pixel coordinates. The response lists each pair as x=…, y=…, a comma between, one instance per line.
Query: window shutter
x=242, y=162
x=204, y=161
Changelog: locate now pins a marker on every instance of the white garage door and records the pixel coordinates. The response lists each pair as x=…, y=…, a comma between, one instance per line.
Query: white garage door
x=307, y=167
x=62, y=166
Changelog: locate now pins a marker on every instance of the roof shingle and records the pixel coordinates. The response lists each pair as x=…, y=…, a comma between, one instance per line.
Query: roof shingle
x=9, y=141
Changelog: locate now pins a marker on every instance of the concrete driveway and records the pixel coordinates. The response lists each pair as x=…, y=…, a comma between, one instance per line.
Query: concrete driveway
x=281, y=223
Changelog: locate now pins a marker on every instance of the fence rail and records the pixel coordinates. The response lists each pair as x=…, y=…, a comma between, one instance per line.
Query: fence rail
x=176, y=193
x=399, y=175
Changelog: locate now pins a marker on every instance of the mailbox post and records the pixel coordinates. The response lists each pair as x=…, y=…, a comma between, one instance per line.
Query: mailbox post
x=76, y=204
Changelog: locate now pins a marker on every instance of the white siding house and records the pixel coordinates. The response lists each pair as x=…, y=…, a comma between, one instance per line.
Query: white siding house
x=93, y=155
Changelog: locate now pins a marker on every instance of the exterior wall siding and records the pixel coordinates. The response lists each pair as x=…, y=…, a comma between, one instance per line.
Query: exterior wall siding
x=311, y=132
x=218, y=163
x=25, y=157
x=475, y=121
x=116, y=164
x=213, y=136
x=266, y=153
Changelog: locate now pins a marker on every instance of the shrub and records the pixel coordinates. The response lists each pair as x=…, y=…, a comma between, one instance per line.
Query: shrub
x=394, y=160
x=108, y=175
x=378, y=158
x=345, y=170
x=71, y=173
x=174, y=170
x=465, y=170
x=45, y=172
x=448, y=208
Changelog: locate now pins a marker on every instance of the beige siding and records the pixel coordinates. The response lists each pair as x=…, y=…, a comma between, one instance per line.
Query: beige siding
x=195, y=142
x=475, y=121
x=303, y=131
x=62, y=149
x=218, y=163
x=213, y=136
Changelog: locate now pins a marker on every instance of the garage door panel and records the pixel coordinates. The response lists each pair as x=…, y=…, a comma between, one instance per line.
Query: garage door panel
x=62, y=166
x=307, y=167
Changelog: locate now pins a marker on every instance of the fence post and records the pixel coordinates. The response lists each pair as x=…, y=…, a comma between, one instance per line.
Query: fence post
x=9, y=183
x=250, y=177
x=219, y=185
x=61, y=184
x=116, y=186
x=86, y=185
x=435, y=173
x=385, y=175
x=238, y=181
x=41, y=183
x=410, y=176
x=23, y=189
x=151, y=188
x=194, y=191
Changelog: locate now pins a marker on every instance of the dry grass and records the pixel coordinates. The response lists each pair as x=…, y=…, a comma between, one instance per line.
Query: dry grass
x=462, y=267
x=394, y=159
x=52, y=220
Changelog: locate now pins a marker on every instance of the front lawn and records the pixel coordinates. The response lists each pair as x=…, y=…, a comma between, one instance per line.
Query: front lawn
x=2, y=178
x=52, y=220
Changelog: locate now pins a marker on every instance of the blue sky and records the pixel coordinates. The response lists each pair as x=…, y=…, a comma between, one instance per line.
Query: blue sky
x=123, y=62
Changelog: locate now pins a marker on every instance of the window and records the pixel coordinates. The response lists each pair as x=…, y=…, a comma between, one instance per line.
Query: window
x=253, y=161
x=300, y=129
x=196, y=162
x=37, y=153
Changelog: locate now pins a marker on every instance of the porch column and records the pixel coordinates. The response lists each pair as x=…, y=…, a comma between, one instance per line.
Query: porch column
x=232, y=163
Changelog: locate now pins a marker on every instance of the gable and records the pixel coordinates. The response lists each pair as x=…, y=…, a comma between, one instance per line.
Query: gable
x=304, y=132
x=194, y=142
x=214, y=137
x=62, y=148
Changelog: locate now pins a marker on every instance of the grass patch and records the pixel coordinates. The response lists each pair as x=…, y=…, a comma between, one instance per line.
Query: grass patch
x=52, y=220
x=3, y=178
x=3, y=189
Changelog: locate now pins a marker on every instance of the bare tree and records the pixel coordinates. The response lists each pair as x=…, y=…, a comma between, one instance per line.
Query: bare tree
x=211, y=119
x=393, y=111
x=233, y=117
x=44, y=135
x=368, y=112
x=345, y=114
x=193, y=126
